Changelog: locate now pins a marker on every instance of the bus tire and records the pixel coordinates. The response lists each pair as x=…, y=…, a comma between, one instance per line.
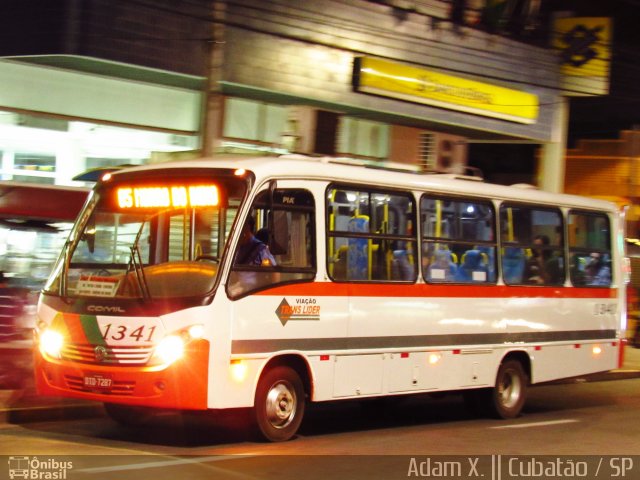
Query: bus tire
x=128, y=415
x=510, y=392
x=279, y=404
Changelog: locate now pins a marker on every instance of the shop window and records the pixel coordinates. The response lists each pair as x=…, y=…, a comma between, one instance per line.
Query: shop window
x=363, y=138
x=255, y=121
x=33, y=179
x=28, y=167
x=93, y=162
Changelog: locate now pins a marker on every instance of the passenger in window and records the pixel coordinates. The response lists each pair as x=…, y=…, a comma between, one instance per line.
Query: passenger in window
x=578, y=274
x=597, y=270
x=251, y=251
x=535, y=271
x=513, y=263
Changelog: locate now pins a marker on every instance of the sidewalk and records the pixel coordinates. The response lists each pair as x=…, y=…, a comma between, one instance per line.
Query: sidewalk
x=22, y=406
x=630, y=367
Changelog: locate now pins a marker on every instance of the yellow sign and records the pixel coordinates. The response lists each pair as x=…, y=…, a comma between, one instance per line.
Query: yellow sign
x=419, y=85
x=165, y=197
x=585, y=46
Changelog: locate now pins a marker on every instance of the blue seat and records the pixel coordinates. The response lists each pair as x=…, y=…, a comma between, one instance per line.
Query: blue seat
x=513, y=262
x=442, y=268
x=358, y=249
x=473, y=268
x=402, y=267
x=489, y=253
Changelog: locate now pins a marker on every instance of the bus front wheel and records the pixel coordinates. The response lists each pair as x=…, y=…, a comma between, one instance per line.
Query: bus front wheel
x=510, y=392
x=279, y=404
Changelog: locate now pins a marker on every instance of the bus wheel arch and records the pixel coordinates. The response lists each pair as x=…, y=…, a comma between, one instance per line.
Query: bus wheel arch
x=280, y=398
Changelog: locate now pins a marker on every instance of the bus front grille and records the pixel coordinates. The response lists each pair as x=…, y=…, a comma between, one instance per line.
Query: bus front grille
x=105, y=355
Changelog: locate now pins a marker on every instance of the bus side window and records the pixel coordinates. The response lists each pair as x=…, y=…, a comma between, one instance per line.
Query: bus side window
x=285, y=231
x=532, y=245
x=370, y=235
x=458, y=240
x=589, y=249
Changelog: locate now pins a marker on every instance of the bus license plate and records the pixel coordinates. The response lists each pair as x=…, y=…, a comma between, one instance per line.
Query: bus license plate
x=97, y=382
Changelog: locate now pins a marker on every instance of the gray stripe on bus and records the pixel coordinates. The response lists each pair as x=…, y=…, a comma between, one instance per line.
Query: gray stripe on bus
x=414, y=341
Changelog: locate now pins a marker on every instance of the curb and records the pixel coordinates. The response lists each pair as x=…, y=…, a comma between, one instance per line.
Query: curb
x=619, y=374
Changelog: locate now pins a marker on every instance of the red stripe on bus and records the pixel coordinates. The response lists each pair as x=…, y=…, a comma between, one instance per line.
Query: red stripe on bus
x=329, y=289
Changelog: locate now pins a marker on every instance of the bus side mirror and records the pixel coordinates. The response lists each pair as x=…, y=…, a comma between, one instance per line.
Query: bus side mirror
x=279, y=232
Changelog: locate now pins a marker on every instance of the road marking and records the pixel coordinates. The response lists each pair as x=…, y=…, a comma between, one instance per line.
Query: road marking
x=536, y=424
x=164, y=463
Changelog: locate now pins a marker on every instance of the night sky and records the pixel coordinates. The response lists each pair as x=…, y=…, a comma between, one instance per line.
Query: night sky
x=590, y=117
x=605, y=116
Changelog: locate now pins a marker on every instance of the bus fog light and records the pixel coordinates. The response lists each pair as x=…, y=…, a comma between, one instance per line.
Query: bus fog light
x=196, y=331
x=597, y=350
x=170, y=349
x=51, y=343
x=434, y=358
x=238, y=370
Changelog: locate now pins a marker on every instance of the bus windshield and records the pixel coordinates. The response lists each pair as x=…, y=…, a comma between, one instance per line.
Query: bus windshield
x=149, y=240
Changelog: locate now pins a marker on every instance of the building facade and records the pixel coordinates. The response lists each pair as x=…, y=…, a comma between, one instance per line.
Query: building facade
x=304, y=69
x=97, y=83
x=100, y=82
x=608, y=169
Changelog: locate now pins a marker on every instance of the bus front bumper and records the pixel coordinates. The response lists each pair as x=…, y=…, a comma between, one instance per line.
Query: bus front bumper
x=181, y=385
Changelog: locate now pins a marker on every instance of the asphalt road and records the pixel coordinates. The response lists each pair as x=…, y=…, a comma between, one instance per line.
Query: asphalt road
x=589, y=418
x=598, y=416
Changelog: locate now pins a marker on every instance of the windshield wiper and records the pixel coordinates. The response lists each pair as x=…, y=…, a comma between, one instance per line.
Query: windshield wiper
x=138, y=266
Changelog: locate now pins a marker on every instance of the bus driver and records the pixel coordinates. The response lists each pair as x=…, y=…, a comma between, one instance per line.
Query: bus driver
x=252, y=251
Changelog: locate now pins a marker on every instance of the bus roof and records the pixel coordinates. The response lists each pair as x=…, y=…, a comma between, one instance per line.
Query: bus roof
x=380, y=175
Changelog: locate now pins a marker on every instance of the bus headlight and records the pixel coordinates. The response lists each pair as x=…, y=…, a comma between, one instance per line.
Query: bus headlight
x=51, y=343
x=170, y=349
x=173, y=347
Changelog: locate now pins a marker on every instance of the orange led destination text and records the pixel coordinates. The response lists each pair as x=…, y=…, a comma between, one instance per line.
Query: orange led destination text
x=165, y=197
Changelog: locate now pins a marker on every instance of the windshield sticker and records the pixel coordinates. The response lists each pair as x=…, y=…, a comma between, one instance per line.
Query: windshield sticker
x=97, y=286
x=304, y=309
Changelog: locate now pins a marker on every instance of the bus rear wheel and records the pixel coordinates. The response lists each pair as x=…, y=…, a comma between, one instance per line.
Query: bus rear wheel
x=510, y=392
x=279, y=404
